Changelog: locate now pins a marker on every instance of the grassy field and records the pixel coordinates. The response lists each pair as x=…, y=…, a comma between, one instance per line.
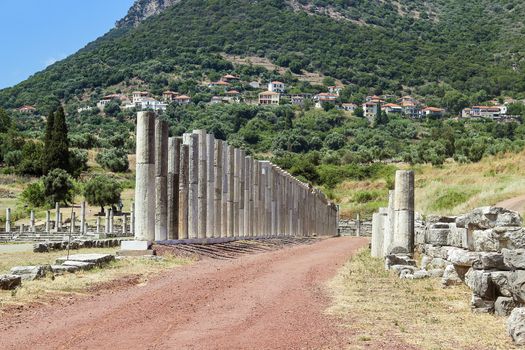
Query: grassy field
x=380, y=309
x=451, y=189
x=46, y=289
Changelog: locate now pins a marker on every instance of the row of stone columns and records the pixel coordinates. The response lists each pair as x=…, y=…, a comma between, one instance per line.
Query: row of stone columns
x=82, y=227
x=204, y=188
x=393, y=227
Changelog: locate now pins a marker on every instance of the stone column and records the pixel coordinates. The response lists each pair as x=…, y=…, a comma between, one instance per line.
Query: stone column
x=377, y=235
x=161, y=180
x=145, y=177
x=202, y=183
x=8, y=220
x=256, y=198
x=218, y=182
x=73, y=219
x=242, y=173
x=174, y=144
x=111, y=221
x=107, y=227
x=236, y=190
x=193, y=190
x=98, y=225
x=22, y=228
x=57, y=217
x=183, y=192
x=210, y=187
x=389, y=234
x=48, y=221
x=358, y=226
x=32, y=221
x=124, y=224
x=230, y=191
x=60, y=222
x=403, y=239
x=83, y=218
x=132, y=220
x=247, y=190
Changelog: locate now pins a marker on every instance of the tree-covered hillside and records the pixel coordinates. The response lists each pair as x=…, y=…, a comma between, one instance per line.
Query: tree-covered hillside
x=472, y=50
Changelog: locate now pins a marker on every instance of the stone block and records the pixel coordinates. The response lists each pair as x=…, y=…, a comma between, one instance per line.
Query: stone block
x=136, y=253
x=504, y=306
x=61, y=269
x=450, y=277
x=517, y=285
x=30, y=273
x=79, y=264
x=435, y=273
x=462, y=257
x=135, y=245
x=501, y=281
x=516, y=325
x=96, y=259
x=485, y=241
x=481, y=305
x=489, y=217
x=489, y=261
x=9, y=282
x=437, y=235
x=421, y=274
x=392, y=260
x=514, y=259
x=40, y=248
x=439, y=263
x=403, y=269
x=481, y=284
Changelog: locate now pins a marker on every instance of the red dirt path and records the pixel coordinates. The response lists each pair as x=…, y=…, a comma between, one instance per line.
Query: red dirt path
x=273, y=300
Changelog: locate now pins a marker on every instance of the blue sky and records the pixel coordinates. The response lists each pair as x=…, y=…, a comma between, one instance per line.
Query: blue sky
x=36, y=33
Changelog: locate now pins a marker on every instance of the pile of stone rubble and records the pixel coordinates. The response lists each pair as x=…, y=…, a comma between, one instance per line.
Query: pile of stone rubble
x=72, y=263
x=44, y=247
x=484, y=249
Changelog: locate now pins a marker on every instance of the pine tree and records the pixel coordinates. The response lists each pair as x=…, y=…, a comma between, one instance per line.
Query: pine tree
x=57, y=152
x=47, y=143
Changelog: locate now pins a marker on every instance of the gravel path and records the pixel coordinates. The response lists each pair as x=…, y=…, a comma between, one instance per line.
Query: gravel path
x=272, y=300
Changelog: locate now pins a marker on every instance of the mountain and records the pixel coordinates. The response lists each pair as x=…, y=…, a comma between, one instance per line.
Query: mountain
x=143, y=9
x=446, y=50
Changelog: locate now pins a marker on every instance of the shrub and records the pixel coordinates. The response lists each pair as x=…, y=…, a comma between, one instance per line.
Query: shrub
x=34, y=195
x=113, y=159
x=58, y=187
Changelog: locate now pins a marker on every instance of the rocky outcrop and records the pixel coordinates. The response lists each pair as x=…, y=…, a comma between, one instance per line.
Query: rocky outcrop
x=516, y=325
x=142, y=9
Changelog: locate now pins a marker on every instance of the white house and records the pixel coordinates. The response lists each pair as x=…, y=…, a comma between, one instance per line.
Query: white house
x=149, y=103
x=276, y=86
x=138, y=96
x=169, y=96
x=182, y=99
x=370, y=110
x=410, y=109
x=269, y=98
x=349, y=107
x=336, y=90
x=432, y=112
x=392, y=108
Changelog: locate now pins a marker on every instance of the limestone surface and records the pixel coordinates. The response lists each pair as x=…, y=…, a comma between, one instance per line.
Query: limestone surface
x=516, y=325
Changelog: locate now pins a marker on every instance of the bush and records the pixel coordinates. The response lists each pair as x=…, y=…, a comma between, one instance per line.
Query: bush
x=34, y=195
x=102, y=190
x=58, y=187
x=78, y=159
x=13, y=158
x=113, y=159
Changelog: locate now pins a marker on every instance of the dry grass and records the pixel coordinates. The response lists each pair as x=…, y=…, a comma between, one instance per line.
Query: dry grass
x=379, y=307
x=485, y=183
x=44, y=290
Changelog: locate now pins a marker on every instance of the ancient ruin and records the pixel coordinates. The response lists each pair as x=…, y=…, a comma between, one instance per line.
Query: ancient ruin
x=222, y=192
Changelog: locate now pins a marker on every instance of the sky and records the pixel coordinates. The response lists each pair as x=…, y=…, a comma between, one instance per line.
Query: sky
x=37, y=33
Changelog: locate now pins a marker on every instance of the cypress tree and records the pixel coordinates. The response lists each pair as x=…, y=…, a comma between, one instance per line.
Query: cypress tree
x=50, y=123
x=58, y=152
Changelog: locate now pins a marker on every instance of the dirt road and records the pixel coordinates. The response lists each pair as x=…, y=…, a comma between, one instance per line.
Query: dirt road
x=272, y=300
x=516, y=204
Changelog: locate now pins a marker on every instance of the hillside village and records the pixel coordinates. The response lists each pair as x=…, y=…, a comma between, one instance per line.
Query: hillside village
x=230, y=89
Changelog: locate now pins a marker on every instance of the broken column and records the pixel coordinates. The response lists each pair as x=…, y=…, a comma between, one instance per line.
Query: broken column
x=107, y=227
x=174, y=144
x=389, y=234
x=132, y=220
x=83, y=218
x=145, y=177
x=8, y=220
x=403, y=236
x=98, y=225
x=32, y=221
x=48, y=221
x=57, y=217
x=124, y=224
x=161, y=180
x=73, y=219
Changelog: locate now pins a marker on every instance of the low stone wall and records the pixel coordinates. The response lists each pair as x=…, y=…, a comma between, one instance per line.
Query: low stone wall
x=485, y=249
x=349, y=228
x=44, y=247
